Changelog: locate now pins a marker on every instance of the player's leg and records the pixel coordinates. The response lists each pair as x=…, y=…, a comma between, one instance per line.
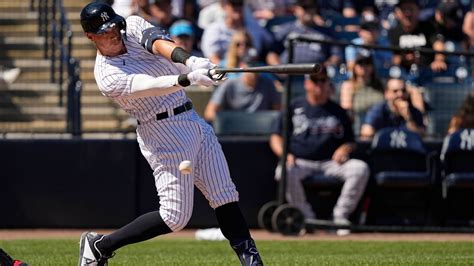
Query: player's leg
x=213, y=179
x=176, y=199
x=355, y=174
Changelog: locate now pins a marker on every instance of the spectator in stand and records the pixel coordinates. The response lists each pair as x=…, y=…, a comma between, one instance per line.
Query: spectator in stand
x=321, y=141
x=468, y=26
x=124, y=8
x=411, y=33
x=345, y=8
x=448, y=21
x=250, y=92
x=395, y=111
x=182, y=33
x=162, y=13
x=264, y=10
x=361, y=91
x=369, y=34
x=464, y=117
x=217, y=36
x=144, y=9
x=306, y=18
x=239, y=52
x=211, y=13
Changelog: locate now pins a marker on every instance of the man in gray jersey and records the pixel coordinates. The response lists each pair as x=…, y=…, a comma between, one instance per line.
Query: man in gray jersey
x=140, y=68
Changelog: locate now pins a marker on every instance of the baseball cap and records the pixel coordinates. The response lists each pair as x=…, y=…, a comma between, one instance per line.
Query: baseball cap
x=450, y=9
x=182, y=27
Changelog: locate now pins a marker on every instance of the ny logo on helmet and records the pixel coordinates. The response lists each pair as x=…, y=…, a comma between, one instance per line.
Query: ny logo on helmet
x=104, y=16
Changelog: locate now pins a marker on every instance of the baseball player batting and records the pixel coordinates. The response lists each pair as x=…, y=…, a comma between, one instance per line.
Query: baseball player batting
x=140, y=67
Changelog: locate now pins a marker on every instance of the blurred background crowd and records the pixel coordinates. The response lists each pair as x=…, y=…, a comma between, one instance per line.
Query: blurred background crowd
x=238, y=33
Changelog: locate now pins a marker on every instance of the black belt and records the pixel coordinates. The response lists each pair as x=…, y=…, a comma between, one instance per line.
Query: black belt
x=178, y=110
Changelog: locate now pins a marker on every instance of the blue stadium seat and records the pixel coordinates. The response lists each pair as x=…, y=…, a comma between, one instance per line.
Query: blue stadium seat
x=457, y=156
x=243, y=123
x=445, y=99
x=403, y=177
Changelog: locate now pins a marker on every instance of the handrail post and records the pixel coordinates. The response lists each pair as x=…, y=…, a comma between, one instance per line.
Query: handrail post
x=286, y=122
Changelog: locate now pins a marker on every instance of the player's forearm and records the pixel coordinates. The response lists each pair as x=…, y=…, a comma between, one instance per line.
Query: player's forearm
x=147, y=86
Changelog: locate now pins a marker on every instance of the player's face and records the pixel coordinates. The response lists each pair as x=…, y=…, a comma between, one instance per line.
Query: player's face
x=109, y=42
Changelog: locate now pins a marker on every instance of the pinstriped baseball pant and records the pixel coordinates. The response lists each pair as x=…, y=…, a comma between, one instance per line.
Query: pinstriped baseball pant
x=166, y=143
x=354, y=173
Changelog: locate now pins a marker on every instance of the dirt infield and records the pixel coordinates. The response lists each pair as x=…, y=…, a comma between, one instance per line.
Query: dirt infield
x=257, y=235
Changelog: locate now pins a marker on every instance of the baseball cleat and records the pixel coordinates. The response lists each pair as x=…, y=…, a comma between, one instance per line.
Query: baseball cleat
x=248, y=253
x=89, y=254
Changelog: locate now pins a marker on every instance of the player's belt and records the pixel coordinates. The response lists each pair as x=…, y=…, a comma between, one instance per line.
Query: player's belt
x=178, y=110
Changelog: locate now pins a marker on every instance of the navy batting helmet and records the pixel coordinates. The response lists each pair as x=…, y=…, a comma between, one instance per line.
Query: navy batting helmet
x=97, y=17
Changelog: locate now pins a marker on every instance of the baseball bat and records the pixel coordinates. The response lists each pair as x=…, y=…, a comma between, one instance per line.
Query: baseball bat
x=279, y=69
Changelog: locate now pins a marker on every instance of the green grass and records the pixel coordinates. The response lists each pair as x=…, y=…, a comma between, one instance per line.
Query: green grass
x=191, y=252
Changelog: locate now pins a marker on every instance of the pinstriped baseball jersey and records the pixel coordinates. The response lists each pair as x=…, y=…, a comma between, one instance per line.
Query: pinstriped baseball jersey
x=167, y=142
x=114, y=74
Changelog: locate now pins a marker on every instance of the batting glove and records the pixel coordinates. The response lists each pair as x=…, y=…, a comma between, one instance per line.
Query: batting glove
x=200, y=77
x=199, y=63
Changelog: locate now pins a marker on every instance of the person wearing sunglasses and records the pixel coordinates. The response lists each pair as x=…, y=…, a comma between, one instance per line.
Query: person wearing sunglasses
x=395, y=111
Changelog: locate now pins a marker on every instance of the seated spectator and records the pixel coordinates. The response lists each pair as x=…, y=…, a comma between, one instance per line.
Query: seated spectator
x=264, y=10
x=306, y=13
x=182, y=33
x=239, y=52
x=124, y=8
x=411, y=33
x=162, y=14
x=369, y=34
x=448, y=21
x=468, y=26
x=250, y=92
x=217, y=36
x=464, y=117
x=144, y=9
x=211, y=13
x=395, y=111
x=345, y=8
x=361, y=91
x=321, y=141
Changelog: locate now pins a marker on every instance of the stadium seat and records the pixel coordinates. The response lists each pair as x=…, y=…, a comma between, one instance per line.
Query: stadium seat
x=403, y=176
x=445, y=99
x=457, y=157
x=243, y=123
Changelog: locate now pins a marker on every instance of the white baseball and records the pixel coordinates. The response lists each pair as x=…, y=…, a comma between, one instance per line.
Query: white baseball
x=186, y=167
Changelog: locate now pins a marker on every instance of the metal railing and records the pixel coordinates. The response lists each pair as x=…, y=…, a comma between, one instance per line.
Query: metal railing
x=55, y=28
